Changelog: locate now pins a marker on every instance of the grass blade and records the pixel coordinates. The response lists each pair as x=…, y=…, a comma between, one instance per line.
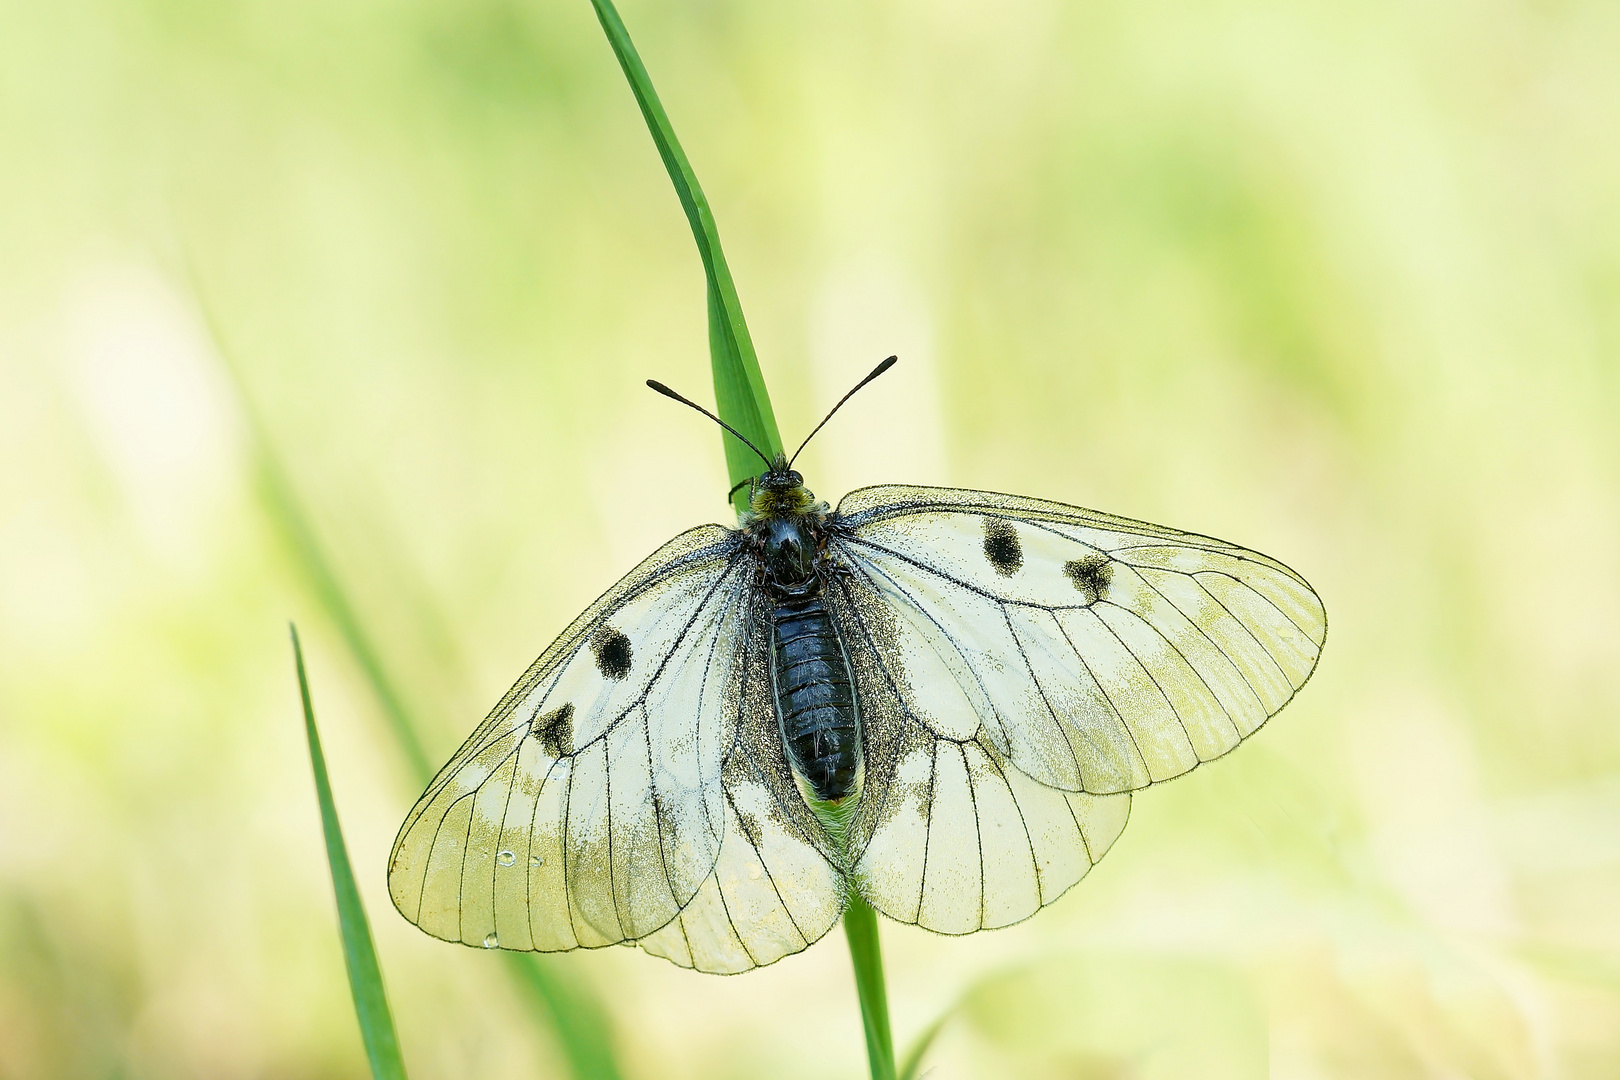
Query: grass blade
x=359, y=955
x=739, y=388
x=860, y=927
x=573, y=1012
x=737, y=401
x=925, y=1039
x=287, y=513
x=295, y=528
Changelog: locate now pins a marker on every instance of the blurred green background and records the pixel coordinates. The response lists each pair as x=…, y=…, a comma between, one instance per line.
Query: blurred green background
x=1338, y=281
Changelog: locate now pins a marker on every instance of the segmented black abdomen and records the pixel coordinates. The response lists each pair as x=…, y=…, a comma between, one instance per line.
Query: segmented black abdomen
x=815, y=703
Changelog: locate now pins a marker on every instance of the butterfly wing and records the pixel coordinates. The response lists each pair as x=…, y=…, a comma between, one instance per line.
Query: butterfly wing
x=772, y=891
x=588, y=808
x=1024, y=659
x=630, y=788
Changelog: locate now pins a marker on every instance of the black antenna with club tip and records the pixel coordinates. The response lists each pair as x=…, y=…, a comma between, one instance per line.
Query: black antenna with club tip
x=880, y=369
x=667, y=392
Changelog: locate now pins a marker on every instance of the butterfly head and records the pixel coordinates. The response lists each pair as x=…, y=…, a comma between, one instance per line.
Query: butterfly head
x=780, y=492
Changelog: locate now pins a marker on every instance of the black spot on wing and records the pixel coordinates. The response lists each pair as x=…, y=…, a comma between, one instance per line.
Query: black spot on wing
x=555, y=730
x=1091, y=575
x=1001, y=546
x=612, y=652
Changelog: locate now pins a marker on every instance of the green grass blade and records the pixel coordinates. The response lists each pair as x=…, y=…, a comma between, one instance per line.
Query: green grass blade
x=925, y=1039
x=295, y=528
x=574, y=1010
x=860, y=927
x=736, y=401
x=287, y=513
x=359, y=955
x=573, y=1013
x=738, y=385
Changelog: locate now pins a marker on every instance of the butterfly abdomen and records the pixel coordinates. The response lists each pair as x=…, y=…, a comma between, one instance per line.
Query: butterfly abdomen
x=815, y=701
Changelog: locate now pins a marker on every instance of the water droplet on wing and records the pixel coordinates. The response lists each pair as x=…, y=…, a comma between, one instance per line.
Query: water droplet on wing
x=505, y=858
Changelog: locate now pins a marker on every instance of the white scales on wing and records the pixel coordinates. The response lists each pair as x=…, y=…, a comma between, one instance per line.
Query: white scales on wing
x=937, y=699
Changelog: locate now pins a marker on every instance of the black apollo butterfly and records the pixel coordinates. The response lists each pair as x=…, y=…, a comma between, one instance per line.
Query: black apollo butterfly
x=938, y=699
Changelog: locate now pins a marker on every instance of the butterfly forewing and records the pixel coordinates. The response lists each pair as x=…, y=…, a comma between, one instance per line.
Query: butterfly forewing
x=588, y=808
x=1116, y=654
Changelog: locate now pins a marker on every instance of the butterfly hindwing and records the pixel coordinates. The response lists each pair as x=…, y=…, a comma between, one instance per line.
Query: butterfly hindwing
x=774, y=889
x=588, y=808
x=771, y=892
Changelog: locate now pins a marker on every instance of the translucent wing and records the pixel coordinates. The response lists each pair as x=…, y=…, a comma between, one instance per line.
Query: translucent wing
x=1012, y=640
x=588, y=808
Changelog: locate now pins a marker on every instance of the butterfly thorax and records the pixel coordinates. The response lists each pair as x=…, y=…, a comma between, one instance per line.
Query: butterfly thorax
x=780, y=492
x=811, y=681
x=785, y=522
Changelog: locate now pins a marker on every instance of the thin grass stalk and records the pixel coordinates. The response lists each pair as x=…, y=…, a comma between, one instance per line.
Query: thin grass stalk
x=739, y=388
x=912, y=1062
x=861, y=930
x=295, y=528
x=571, y=1010
x=359, y=953
x=286, y=512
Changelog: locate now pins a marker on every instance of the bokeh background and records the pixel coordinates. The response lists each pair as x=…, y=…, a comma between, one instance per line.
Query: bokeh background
x=1339, y=281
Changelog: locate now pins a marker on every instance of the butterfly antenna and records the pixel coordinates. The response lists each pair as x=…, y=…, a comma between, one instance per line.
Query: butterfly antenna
x=667, y=392
x=880, y=369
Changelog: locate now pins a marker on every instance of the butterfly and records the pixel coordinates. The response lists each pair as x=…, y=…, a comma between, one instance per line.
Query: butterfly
x=937, y=699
